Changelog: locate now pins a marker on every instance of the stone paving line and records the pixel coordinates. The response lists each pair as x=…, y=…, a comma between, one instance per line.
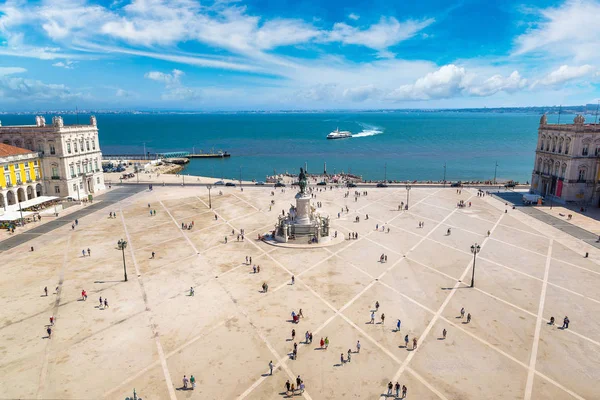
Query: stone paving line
x=61, y=276
x=104, y=200
x=339, y=313
x=242, y=311
x=159, y=349
x=538, y=326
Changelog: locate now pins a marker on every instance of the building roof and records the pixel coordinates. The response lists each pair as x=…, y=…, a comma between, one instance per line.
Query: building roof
x=8, y=150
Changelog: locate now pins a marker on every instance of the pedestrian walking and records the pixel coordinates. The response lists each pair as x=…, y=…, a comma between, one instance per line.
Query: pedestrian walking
x=105, y=303
x=294, y=353
x=326, y=342
x=349, y=355
x=462, y=312
x=566, y=323
x=293, y=334
x=293, y=279
x=51, y=320
x=398, y=325
x=49, y=331
x=300, y=315
x=153, y=254
x=83, y=253
x=322, y=343
x=76, y=222
x=444, y=332
x=468, y=318
x=271, y=367
x=298, y=381
x=193, y=382
x=100, y=300
x=83, y=295
x=372, y=317
x=390, y=387
x=89, y=252
x=404, y=390
x=414, y=343
x=191, y=291
x=185, y=382
x=342, y=359
x=287, y=386
x=406, y=342
x=397, y=387
x=382, y=318
x=46, y=291
x=376, y=306
x=358, y=347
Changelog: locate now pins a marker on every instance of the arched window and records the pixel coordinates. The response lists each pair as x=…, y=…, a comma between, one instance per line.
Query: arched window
x=556, y=168
x=542, y=143
x=563, y=170
x=567, y=145
x=582, y=174
x=560, y=145
x=553, y=144
x=585, y=149
x=539, y=165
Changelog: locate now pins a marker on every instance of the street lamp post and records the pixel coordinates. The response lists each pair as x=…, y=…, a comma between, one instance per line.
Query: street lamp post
x=444, y=174
x=495, y=170
x=209, y=199
x=122, y=244
x=407, y=195
x=474, y=249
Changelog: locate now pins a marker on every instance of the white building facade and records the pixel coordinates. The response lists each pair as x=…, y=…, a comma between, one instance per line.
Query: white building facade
x=70, y=155
x=567, y=160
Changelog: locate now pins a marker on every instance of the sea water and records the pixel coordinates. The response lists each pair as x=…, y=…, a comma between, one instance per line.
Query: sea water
x=395, y=145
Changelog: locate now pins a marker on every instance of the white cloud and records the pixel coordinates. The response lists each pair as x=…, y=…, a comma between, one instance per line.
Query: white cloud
x=564, y=74
x=174, y=89
x=67, y=64
x=20, y=89
x=124, y=93
x=11, y=70
x=386, y=33
x=362, y=93
x=510, y=84
x=448, y=81
x=354, y=17
x=570, y=29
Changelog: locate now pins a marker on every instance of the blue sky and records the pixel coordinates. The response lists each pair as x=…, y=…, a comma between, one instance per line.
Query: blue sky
x=300, y=54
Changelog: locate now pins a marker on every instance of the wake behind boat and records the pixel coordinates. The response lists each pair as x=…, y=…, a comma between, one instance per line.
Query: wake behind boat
x=337, y=134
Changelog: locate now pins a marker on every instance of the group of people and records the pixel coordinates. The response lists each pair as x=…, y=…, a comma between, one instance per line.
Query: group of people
x=397, y=388
x=112, y=214
x=189, y=383
x=291, y=389
x=187, y=227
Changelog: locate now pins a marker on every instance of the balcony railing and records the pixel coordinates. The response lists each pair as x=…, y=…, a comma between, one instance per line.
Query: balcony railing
x=19, y=182
x=29, y=180
x=55, y=177
x=9, y=184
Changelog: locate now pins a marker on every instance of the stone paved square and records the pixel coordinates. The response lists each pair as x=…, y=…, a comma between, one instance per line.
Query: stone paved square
x=154, y=332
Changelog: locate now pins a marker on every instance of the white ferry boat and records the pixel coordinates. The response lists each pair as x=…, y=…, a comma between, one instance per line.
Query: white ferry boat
x=337, y=134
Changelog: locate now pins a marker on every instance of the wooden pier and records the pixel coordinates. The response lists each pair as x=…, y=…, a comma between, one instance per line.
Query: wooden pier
x=209, y=155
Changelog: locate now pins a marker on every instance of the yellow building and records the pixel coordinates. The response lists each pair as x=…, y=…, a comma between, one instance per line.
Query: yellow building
x=20, y=175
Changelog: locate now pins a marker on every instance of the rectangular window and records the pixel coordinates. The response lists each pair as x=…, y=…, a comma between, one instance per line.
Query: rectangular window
x=94, y=144
x=80, y=185
x=78, y=169
x=74, y=187
x=72, y=168
x=52, y=149
x=56, y=189
x=54, y=172
x=37, y=173
x=35, y=162
x=87, y=145
x=69, y=147
x=584, y=151
x=581, y=175
x=81, y=144
x=95, y=164
x=98, y=180
x=18, y=174
x=7, y=178
x=27, y=175
x=6, y=167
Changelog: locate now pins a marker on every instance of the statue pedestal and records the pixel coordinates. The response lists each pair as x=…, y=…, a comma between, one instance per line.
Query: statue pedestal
x=302, y=209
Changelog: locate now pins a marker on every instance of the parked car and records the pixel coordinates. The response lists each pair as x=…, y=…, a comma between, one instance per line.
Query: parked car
x=219, y=183
x=382, y=185
x=456, y=184
x=510, y=184
x=260, y=183
x=351, y=184
x=230, y=184
x=279, y=184
x=322, y=183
